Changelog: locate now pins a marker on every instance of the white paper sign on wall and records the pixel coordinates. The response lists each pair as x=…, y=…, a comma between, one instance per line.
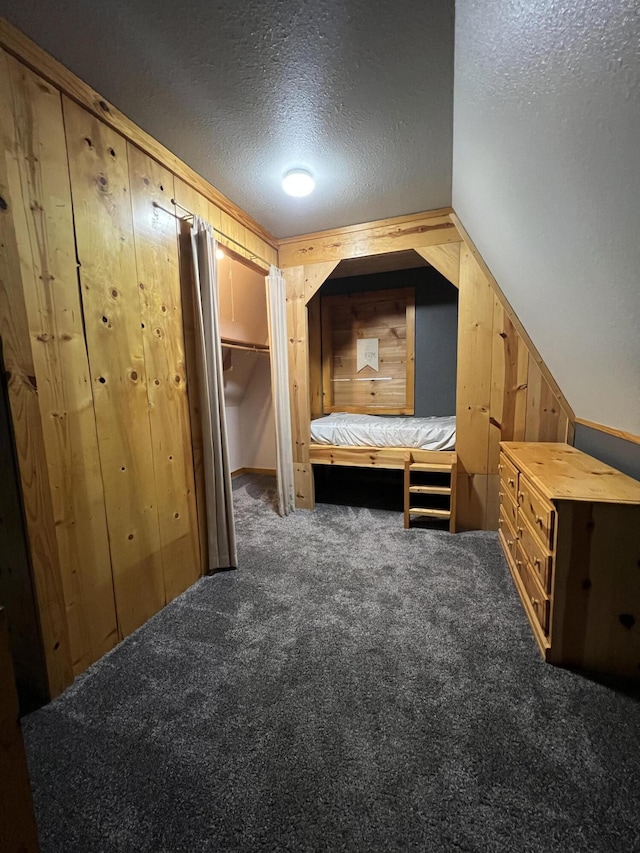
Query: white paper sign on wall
x=367, y=353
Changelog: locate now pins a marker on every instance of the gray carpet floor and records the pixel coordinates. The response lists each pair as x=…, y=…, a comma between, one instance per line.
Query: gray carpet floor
x=352, y=687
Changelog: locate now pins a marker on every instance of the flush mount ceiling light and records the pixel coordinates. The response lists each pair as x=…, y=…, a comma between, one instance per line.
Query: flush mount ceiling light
x=298, y=182
x=219, y=254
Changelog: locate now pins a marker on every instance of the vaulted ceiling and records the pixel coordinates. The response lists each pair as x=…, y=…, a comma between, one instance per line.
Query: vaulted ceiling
x=360, y=93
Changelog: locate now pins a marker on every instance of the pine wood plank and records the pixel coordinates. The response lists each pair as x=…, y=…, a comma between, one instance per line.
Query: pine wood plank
x=471, y=500
x=26, y=418
x=45, y=231
x=430, y=512
x=55, y=73
x=315, y=276
x=475, y=330
x=156, y=253
x=509, y=381
x=380, y=457
x=389, y=317
x=304, y=485
x=370, y=238
x=111, y=304
x=298, y=357
x=315, y=356
x=445, y=258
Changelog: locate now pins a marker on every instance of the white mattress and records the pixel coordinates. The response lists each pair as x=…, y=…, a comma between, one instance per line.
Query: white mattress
x=345, y=429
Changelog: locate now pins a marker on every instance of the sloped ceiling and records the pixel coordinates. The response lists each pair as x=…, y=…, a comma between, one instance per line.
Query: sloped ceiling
x=360, y=93
x=547, y=182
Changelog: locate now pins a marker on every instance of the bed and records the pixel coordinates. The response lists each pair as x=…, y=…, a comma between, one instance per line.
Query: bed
x=424, y=448
x=374, y=441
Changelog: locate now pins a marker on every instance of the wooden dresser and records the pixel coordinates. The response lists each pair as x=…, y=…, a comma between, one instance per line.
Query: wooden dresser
x=570, y=530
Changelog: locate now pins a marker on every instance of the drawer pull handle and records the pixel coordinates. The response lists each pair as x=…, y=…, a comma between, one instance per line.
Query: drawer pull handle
x=511, y=481
x=539, y=520
x=537, y=561
x=535, y=602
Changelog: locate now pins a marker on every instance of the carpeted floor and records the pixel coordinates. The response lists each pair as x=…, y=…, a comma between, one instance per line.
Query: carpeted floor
x=352, y=687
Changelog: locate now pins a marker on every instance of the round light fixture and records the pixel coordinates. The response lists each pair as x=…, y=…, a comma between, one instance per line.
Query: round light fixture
x=298, y=182
x=219, y=254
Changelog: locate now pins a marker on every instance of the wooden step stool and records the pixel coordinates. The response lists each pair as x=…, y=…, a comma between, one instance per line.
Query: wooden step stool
x=426, y=463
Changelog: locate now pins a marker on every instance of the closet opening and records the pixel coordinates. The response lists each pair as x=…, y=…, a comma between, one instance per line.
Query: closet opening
x=244, y=336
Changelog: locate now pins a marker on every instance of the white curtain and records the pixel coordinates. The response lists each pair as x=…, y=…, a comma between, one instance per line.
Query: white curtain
x=277, y=313
x=219, y=498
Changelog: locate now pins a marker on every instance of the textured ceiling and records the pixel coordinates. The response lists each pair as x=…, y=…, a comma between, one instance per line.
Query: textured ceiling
x=359, y=92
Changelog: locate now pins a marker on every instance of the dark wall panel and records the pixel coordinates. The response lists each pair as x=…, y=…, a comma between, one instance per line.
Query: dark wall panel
x=617, y=452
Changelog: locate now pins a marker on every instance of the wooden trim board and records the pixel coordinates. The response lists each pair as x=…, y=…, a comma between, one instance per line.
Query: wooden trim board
x=376, y=457
x=433, y=227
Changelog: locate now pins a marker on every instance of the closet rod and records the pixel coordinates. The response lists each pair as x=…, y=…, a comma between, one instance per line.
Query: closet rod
x=248, y=347
x=216, y=230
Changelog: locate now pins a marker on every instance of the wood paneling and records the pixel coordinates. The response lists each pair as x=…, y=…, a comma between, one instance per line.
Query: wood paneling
x=44, y=228
x=504, y=392
x=315, y=356
x=315, y=277
x=25, y=409
x=18, y=833
x=371, y=238
x=475, y=330
x=445, y=258
x=298, y=364
x=156, y=255
x=509, y=381
x=389, y=318
x=111, y=303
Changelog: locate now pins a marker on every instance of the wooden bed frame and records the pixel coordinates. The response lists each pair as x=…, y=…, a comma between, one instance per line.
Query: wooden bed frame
x=361, y=456
x=408, y=459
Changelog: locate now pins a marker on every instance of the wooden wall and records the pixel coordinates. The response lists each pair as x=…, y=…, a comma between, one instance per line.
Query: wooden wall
x=97, y=336
x=504, y=393
x=504, y=390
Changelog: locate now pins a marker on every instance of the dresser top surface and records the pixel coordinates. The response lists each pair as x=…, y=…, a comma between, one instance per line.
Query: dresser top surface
x=562, y=472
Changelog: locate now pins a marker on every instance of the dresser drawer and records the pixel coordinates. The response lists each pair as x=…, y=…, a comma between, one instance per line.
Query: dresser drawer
x=537, y=600
x=538, y=511
x=507, y=535
x=509, y=507
x=508, y=477
x=539, y=558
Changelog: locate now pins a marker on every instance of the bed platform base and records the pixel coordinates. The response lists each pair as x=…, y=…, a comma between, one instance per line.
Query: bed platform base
x=377, y=457
x=429, y=475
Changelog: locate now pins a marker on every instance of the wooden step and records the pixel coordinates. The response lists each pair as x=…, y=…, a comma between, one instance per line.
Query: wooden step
x=430, y=490
x=432, y=513
x=444, y=467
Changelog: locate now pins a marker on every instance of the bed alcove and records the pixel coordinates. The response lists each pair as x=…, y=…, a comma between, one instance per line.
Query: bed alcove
x=434, y=346
x=504, y=391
